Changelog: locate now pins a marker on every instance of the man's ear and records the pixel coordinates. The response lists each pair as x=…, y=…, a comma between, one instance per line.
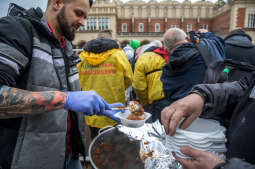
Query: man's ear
x=57, y=4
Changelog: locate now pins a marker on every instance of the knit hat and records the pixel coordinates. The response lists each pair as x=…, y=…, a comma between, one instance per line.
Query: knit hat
x=134, y=44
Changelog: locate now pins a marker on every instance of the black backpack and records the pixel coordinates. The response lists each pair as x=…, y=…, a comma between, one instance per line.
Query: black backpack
x=15, y=10
x=225, y=70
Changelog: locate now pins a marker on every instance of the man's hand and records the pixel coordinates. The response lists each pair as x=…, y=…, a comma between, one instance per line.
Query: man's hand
x=200, y=159
x=189, y=108
x=87, y=102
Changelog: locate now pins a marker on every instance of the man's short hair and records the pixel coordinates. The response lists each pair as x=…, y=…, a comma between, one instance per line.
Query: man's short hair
x=68, y=1
x=105, y=34
x=172, y=36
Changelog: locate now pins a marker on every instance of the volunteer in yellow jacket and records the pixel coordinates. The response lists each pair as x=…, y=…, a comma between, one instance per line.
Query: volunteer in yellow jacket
x=146, y=82
x=105, y=69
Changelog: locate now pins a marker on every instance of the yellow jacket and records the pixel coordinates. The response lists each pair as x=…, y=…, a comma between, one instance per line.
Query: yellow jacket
x=148, y=88
x=108, y=73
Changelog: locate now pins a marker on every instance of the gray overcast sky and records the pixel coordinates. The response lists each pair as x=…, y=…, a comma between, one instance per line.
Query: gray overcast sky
x=40, y=3
x=24, y=3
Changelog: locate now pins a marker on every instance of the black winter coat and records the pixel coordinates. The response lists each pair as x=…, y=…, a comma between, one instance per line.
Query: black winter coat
x=241, y=132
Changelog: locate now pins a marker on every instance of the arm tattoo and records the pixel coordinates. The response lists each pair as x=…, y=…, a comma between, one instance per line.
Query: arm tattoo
x=16, y=102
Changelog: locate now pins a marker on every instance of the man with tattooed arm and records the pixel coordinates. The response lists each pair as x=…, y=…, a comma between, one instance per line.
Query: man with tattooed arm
x=41, y=119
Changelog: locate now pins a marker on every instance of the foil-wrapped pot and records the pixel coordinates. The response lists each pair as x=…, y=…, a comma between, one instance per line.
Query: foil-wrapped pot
x=153, y=151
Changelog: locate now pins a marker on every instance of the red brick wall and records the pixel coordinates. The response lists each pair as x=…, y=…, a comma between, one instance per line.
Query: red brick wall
x=151, y=27
x=177, y=22
x=193, y=22
x=127, y=21
x=160, y=21
x=240, y=17
x=221, y=23
x=205, y=22
x=145, y=25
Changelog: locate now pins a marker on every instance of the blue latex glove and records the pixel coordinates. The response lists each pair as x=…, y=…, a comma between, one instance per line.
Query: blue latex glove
x=111, y=113
x=87, y=102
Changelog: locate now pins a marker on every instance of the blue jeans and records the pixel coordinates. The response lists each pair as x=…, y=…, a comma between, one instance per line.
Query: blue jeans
x=73, y=163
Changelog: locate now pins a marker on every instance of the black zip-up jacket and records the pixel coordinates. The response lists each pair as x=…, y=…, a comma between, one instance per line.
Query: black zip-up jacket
x=241, y=132
x=32, y=59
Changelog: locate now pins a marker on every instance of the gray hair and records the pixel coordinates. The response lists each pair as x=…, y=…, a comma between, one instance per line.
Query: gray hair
x=172, y=36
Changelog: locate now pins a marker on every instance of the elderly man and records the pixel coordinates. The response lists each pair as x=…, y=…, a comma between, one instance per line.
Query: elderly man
x=185, y=67
x=40, y=125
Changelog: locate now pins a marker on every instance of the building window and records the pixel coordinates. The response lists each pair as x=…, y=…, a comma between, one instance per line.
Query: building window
x=97, y=23
x=173, y=26
x=94, y=26
x=100, y=22
x=251, y=20
x=124, y=27
x=140, y=27
x=189, y=27
x=157, y=27
x=205, y=27
x=81, y=28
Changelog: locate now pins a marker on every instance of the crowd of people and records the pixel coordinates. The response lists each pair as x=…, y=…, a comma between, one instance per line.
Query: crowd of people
x=48, y=91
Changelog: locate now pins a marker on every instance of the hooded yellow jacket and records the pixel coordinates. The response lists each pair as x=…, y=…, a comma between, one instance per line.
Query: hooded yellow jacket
x=148, y=88
x=108, y=73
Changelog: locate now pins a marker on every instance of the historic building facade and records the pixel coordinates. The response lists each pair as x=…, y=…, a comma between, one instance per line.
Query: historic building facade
x=141, y=20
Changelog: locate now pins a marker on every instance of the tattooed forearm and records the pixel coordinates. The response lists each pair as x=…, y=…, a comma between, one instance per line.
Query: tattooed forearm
x=15, y=102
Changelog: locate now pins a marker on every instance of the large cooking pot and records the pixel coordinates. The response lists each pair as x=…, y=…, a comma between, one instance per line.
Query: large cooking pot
x=112, y=149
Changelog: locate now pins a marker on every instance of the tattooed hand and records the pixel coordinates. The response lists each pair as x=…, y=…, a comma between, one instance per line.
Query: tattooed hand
x=16, y=102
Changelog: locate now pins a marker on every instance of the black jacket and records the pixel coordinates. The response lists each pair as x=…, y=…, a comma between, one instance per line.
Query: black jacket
x=184, y=69
x=32, y=59
x=239, y=47
x=241, y=132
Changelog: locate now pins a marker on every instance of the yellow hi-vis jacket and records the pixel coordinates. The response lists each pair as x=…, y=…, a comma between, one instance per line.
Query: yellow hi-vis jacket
x=108, y=73
x=148, y=88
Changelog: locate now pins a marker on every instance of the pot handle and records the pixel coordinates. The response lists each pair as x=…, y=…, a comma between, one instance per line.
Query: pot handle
x=104, y=128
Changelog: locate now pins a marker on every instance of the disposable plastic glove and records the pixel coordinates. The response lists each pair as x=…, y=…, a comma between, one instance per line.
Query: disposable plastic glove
x=111, y=113
x=87, y=102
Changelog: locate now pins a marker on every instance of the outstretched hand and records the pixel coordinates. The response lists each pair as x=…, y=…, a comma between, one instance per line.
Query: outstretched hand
x=189, y=108
x=200, y=159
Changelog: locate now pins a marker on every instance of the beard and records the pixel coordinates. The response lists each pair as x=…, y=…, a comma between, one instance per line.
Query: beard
x=63, y=26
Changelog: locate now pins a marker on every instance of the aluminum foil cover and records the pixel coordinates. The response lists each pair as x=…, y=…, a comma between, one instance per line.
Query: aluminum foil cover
x=152, y=150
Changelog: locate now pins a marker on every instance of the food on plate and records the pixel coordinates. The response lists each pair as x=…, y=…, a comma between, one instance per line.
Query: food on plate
x=145, y=155
x=135, y=117
x=136, y=108
x=137, y=111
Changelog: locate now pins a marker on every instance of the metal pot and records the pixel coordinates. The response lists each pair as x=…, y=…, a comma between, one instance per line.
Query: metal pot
x=112, y=149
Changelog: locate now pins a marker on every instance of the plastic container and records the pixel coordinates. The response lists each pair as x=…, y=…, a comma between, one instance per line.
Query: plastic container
x=132, y=123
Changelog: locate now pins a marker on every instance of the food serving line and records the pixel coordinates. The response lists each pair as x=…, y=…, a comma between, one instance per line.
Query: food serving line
x=148, y=147
x=138, y=145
